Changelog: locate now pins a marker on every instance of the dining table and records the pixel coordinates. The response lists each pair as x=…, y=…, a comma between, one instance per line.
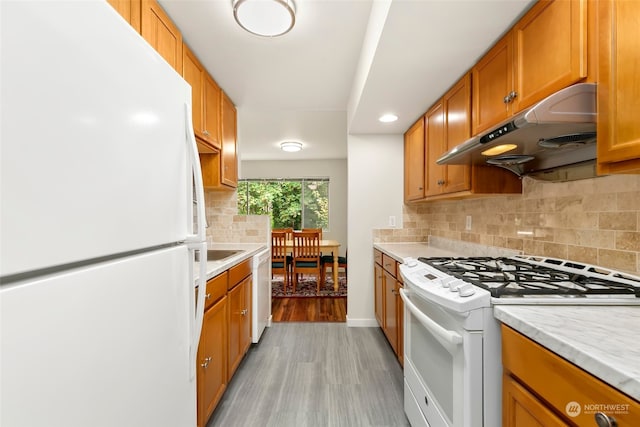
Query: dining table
x=330, y=246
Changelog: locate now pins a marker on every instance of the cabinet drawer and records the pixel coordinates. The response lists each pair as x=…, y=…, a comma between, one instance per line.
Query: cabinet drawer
x=216, y=289
x=390, y=265
x=239, y=272
x=377, y=256
x=559, y=382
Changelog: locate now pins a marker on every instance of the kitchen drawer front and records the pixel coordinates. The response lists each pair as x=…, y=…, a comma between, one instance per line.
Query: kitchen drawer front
x=560, y=383
x=216, y=289
x=239, y=272
x=377, y=256
x=390, y=265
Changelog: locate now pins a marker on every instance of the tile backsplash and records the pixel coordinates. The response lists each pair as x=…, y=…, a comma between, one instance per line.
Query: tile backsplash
x=226, y=226
x=596, y=221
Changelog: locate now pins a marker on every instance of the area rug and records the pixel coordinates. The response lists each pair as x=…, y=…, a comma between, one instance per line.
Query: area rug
x=307, y=287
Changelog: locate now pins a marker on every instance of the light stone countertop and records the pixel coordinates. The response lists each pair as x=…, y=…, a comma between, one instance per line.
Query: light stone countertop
x=602, y=340
x=398, y=251
x=248, y=250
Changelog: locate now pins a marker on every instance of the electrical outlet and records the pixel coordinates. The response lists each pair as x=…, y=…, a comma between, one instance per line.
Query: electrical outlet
x=467, y=226
x=392, y=221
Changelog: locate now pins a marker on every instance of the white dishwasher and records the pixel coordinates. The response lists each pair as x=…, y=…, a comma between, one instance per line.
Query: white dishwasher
x=261, y=304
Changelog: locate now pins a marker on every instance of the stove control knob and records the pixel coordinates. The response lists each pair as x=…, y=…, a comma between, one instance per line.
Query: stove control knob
x=466, y=290
x=456, y=284
x=446, y=281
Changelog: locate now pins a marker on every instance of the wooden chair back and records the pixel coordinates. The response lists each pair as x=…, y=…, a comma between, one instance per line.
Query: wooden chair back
x=278, y=246
x=289, y=232
x=306, y=255
x=313, y=230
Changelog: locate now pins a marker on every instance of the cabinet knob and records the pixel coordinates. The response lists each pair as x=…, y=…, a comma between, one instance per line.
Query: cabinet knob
x=513, y=95
x=441, y=182
x=604, y=420
x=205, y=132
x=506, y=99
x=244, y=312
x=206, y=362
x=207, y=296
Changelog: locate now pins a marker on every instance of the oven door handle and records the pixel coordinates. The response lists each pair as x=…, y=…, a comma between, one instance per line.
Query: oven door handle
x=450, y=340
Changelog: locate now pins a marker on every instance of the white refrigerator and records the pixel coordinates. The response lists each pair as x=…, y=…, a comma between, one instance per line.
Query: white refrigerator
x=101, y=211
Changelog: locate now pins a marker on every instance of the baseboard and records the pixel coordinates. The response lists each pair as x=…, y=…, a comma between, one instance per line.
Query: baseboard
x=361, y=323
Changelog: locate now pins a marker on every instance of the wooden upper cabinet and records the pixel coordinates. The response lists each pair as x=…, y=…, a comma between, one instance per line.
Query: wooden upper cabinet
x=414, y=158
x=457, y=108
x=229, y=164
x=211, y=118
x=618, y=87
x=129, y=10
x=544, y=52
x=206, y=100
x=492, y=82
x=435, y=146
x=161, y=33
x=550, y=44
x=193, y=72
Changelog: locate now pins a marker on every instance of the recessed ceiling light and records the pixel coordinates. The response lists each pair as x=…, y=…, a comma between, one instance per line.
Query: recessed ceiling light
x=388, y=118
x=291, y=146
x=267, y=18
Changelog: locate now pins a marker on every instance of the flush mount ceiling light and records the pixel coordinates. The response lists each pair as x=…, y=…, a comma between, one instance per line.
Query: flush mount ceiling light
x=266, y=18
x=388, y=118
x=291, y=146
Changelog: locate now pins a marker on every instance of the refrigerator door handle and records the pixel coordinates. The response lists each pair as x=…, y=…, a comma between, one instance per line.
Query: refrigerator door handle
x=196, y=242
x=198, y=189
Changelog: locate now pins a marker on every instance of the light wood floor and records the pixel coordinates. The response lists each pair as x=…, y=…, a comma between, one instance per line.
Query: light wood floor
x=315, y=374
x=309, y=309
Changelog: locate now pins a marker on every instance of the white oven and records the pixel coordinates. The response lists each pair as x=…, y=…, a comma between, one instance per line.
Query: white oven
x=446, y=355
x=452, y=360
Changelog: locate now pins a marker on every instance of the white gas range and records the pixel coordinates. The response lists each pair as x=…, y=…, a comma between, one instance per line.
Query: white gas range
x=452, y=359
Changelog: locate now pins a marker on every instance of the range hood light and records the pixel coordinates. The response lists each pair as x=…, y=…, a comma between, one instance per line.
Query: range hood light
x=499, y=149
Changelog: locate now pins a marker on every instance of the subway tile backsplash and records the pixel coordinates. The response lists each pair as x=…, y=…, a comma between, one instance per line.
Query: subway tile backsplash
x=596, y=221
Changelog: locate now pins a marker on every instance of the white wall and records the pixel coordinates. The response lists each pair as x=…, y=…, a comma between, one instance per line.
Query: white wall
x=335, y=170
x=376, y=179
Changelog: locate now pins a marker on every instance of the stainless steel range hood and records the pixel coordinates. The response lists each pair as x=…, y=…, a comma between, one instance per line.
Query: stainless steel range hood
x=554, y=140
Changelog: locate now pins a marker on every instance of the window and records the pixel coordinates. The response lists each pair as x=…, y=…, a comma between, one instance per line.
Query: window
x=297, y=203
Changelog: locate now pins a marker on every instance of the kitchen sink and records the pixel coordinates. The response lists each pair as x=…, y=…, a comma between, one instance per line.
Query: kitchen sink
x=218, y=254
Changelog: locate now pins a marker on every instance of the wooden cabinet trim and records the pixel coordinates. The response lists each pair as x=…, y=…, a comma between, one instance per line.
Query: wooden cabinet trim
x=238, y=272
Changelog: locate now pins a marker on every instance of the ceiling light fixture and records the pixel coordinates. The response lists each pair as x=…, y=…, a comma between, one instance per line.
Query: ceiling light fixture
x=388, y=118
x=266, y=18
x=291, y=146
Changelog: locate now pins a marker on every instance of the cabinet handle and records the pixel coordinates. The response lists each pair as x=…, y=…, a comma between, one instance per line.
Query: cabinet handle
x=441, y=182
x=604, y=420
x=506, y=99
x=206, y=362
x=513, y=95
x=419, y=188
x=244, y=312
x=207, y=296
x=205, y=132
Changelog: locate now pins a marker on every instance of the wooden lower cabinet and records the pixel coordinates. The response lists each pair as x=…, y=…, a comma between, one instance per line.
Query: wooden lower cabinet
x=239, y=323
x=541, y=388
x=389, y=310
x=212, y=360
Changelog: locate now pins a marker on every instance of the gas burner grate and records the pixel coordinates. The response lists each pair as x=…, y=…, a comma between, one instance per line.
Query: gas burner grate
x=509, y=277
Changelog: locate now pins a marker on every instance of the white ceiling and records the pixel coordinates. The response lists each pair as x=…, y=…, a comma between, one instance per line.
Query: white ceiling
x=345, y=63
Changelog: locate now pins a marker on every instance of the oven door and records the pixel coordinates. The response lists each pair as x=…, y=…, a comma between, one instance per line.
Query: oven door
x=442, y=366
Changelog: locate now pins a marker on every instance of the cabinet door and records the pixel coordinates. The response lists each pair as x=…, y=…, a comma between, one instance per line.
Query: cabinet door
x=390, y=313
x=618, y=87
x=212, y=360
x=129, y=10
x=457, y=104
x=211, y=113
x=193, y=72
x=161, y=33
x=492, y=82
x=550, y=44
x=245, y=332
x=414, y=161
x=236, y=307
x=435, y=146
x=229, y=165
x=379, y=294
x=520, y=408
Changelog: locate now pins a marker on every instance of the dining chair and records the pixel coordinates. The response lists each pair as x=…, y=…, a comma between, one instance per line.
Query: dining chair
x=280, y=259
x=313, y=230
x=327, y=261
x=289, y=232
x=306, y=255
